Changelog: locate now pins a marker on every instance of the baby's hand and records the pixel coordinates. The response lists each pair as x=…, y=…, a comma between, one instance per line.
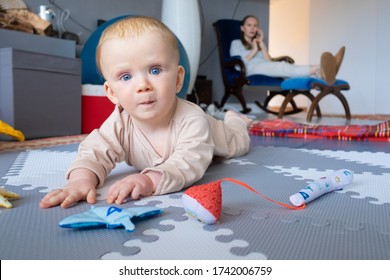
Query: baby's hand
x=134, y=185
x=81, y=186
x=73, y=192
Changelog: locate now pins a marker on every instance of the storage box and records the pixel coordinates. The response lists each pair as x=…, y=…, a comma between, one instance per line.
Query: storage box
x=40, y=95
x=36, y=43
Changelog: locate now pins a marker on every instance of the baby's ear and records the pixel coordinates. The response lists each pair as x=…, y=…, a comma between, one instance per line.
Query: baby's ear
x=180, y=78
x=110, y=94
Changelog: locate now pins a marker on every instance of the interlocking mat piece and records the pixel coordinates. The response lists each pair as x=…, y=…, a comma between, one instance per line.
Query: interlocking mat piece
x=352, y=223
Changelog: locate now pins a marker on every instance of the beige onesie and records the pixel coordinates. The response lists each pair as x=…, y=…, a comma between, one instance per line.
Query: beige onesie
x=193, y=139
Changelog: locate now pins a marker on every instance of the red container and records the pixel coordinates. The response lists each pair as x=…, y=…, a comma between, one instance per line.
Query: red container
x=96, y=108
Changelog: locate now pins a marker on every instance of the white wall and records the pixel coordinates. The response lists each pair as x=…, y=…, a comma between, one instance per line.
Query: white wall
x=351, y=23
x=289, y=35
x=362, y=26
x=295, y=40
x=382, y=57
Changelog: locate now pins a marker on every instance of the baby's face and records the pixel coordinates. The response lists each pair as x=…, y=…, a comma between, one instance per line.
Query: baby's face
x=142, y=75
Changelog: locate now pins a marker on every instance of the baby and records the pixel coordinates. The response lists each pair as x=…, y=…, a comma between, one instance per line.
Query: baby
x=169, y=140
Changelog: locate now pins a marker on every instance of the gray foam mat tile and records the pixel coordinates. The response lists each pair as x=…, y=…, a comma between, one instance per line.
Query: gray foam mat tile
x=348, y=224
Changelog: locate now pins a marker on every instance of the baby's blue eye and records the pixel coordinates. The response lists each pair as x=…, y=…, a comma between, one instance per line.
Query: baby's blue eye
x=125, y=77
x=155, y=71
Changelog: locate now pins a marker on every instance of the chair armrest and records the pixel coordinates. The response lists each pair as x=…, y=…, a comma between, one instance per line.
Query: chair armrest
x=285, y=58
x=234, y=61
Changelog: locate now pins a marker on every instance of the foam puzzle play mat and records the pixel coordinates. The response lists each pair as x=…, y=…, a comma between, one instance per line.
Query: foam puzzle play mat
x=248, y=209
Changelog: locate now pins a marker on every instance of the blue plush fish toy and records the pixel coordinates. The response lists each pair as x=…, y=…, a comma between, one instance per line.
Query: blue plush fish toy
x=111, y=217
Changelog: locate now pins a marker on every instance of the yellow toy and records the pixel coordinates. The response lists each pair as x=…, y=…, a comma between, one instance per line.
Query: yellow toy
x=10, y=131
x=4, y=195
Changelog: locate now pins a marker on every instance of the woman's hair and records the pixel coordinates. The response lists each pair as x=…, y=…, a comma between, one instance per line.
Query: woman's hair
x=136, y=26
x=246, y=44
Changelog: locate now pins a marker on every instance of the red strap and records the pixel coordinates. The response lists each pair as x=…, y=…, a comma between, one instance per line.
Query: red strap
x=301, y=207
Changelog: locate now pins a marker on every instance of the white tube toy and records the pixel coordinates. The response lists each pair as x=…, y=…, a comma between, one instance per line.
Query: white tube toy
x=334, y=182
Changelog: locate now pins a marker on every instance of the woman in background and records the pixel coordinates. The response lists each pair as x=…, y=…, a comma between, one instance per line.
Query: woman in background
x=254, y=53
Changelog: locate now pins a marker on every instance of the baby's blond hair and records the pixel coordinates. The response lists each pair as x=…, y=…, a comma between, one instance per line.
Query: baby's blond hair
x=136, y=25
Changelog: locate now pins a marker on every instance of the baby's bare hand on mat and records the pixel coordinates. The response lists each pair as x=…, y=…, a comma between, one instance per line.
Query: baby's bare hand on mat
x=72, y=193
x=134, y=186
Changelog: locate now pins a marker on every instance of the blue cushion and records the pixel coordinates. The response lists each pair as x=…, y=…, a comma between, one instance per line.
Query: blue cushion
x=89, y=72
x=262, y=80
x=305, y=83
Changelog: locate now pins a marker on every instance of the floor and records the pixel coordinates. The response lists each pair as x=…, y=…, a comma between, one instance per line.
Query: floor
x=351, y=224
